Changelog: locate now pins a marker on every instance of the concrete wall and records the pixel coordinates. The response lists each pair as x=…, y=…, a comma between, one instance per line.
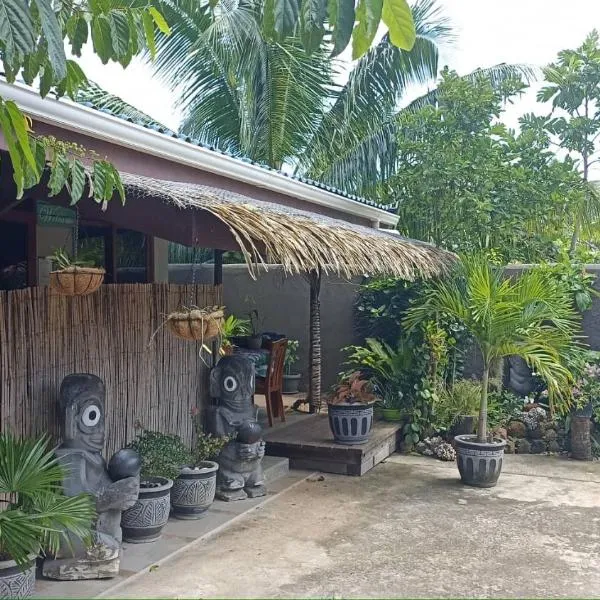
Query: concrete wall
x=283, y=305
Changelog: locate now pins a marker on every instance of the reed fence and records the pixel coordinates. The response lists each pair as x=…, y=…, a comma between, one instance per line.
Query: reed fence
x=150, y=380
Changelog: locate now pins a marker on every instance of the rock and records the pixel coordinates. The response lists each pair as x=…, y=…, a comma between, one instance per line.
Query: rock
x=550, y=435
x=500, y=432
x=536, y=433
x=445, y=452
x=534, y=417
x=554, y=446
x=522, y=446
x=510, y=446
x=516, y=429
x=421, y=447
x=538, y=446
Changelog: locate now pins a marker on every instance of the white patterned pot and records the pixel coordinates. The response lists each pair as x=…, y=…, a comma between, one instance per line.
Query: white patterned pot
x=194, y=490
x=17, y=582
x=143, y=522
x=479, y=464
x=350, y=423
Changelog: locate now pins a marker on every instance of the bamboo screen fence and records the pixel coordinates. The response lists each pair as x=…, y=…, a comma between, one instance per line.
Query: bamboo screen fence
x=44, y=336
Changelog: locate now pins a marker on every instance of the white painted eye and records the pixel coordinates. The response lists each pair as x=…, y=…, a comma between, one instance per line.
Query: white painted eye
x=230, y=384
x=91, y=416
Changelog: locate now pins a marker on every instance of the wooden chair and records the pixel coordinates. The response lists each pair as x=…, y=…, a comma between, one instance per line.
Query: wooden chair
x=272, y=384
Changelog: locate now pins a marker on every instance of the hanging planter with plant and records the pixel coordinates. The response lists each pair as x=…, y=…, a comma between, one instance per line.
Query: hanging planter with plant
x=196, y=324
x=73, y=277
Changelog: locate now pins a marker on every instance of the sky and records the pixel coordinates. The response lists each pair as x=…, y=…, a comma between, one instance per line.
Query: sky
x=488, y=32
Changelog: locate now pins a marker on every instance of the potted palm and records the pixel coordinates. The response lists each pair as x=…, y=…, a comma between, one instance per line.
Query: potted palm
x=254, y=339
x=531, y=317
x=193, y=491
x=162, y=456
x=231, y=328
x=291, y=380
x=350, y=410
x=35, y=515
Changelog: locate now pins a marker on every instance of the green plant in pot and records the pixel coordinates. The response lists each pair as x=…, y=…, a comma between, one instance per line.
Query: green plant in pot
x=457, y=407
x=162, y=456
x=255, y=339
x=232, y=327
x=530, y=316
x=291, y=380
x=35, y=516
x=350, y=410
x=193, y=491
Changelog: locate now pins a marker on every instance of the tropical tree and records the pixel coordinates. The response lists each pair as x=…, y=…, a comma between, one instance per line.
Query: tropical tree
x=531, y=316
x=574, y=89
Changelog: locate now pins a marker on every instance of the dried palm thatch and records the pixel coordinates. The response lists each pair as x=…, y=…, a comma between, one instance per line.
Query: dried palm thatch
x=301, y=241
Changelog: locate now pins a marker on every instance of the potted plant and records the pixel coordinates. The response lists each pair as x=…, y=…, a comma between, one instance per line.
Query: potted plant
x=196, y=324
x=194, y=489
x=350, y=410
x=232, y=327
x=458, y=406
x=291, y=380
x=162, y=456
x=530, y=316
x=36, y=516
x=255, y=339
x=73, y=277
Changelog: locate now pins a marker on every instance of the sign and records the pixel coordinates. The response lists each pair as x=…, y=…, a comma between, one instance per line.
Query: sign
x=55, y=216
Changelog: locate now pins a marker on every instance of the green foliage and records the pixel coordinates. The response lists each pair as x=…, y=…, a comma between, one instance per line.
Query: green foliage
x=162, y=454
x=531, y=317
x=207, y=446
x=291, y=355
x=576, y=280
x=419, y=414
x=62, y=260
x=37, y=516
x=502, y=406
x=233, y=327
x=460, y=399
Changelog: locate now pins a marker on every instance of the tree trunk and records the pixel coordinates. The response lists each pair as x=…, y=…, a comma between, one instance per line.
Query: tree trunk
x=482, y=424
x=315, y=342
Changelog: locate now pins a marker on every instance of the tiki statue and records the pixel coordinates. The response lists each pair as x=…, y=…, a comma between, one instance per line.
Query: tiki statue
x=240, y=472
x=114, y=488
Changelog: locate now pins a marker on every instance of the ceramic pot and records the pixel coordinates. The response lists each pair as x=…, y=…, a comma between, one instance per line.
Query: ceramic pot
x=254, y=342
x=479, y=464
x=17, y=582
x=392, y=414
x=144, y=521
x=350, y=423
x=291, y=383
x=193, y=491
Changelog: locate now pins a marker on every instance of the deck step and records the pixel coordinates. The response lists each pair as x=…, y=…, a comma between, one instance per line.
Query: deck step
x=275, y=467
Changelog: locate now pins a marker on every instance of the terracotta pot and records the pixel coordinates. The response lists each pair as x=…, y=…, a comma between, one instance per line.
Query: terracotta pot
x=76, y=281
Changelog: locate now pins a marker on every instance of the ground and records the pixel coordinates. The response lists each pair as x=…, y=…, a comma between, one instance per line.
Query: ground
x=408, y=528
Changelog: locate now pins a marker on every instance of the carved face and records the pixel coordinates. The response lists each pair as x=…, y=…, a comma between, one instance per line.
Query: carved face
x=232, y=382
x=82, y=406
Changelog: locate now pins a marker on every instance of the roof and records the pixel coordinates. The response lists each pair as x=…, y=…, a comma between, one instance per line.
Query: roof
x=104, y=125
x=300, y=240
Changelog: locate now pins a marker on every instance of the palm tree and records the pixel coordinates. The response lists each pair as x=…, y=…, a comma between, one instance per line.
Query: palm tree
x=531, y=317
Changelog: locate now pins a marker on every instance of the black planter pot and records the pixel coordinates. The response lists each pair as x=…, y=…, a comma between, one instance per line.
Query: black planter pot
x=585, y=411
x=291, y=383
x=464, y=425
x=350, y=423
x=17, y=582
x=479, y=464
x=144, y=521
x=254, y=342
x=193, y=491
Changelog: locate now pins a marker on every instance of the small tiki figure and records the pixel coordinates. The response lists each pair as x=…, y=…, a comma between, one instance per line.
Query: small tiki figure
x=115, y=488
x=240, y=472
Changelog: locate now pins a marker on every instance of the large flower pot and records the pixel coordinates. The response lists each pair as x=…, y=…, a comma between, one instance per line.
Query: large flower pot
x=350, y=423
x=194, y=490
x=581, y=440
x=479, y=463
x=16, y=582
x=392, y=414
x=291, y=383
x=143, y=522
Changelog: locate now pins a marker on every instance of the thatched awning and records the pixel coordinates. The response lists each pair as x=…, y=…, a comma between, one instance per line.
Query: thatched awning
x=301, y=241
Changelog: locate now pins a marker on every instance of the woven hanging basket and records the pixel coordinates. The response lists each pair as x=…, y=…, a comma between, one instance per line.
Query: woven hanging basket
x=76, y=281
x=196, y=324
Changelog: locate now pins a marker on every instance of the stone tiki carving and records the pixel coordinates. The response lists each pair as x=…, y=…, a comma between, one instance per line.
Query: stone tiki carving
x=115, y=488
x=520, y=379
x=240, y=473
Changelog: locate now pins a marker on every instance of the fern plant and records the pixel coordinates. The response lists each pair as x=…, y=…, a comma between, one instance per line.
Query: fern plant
x=37, y=516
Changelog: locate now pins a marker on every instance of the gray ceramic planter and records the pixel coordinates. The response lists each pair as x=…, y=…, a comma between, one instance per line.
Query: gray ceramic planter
x=16, y=582
x=291, y=382
x=194, y=490
x=143, y=522
x=350, y=423
x=479, y=464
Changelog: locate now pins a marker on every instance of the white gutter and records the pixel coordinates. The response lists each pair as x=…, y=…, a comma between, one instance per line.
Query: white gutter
x=94, y=123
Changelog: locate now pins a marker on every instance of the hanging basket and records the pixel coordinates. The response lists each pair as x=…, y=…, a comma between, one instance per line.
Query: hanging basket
x=76, y=281
x=196, y=324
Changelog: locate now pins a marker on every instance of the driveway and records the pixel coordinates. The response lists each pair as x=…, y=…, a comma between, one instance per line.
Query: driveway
x=406, y=529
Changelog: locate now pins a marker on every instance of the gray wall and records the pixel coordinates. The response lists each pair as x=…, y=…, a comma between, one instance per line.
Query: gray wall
x=283, y=306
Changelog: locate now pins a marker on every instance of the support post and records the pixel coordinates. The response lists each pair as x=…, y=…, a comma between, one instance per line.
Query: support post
x=217, y=280
x=314, y=397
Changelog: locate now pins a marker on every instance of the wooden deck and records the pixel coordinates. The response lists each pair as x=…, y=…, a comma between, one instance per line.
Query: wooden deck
x=308, y=443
